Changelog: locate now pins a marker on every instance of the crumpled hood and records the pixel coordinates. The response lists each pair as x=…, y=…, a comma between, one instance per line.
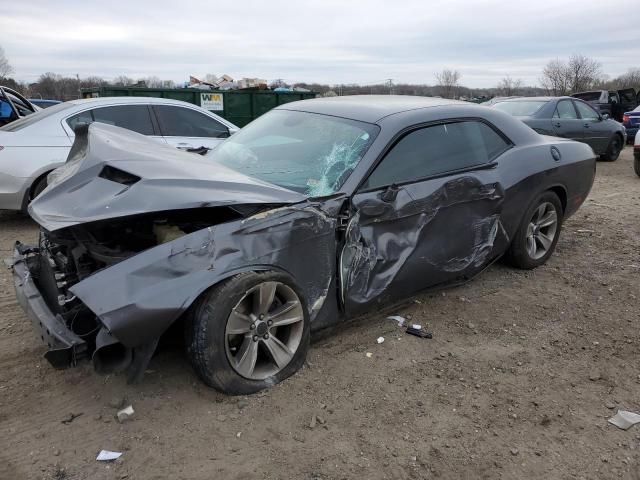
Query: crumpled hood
x=112, y=172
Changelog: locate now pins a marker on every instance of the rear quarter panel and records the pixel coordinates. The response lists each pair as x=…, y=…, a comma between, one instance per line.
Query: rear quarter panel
x=529, y=170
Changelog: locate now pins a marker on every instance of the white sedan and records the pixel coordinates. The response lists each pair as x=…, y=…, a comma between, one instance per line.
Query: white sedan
x=33, y=146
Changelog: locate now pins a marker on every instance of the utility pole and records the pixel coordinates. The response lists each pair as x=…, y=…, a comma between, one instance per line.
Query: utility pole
x=389, y=84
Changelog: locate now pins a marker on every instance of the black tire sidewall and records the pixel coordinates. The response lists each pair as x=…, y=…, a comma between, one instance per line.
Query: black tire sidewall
x=518, y=255
x=636, y=166
x=609, y=154
x=206, y=334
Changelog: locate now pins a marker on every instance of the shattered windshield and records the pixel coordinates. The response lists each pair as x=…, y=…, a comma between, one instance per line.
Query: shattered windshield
x=306, y=152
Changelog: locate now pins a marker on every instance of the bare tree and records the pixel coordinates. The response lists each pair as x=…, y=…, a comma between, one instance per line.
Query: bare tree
x=555, y=77
x=583, y=72
x=448, y=82
x=629, y=79
x=578, y=74
x=509, y=86
x=122, y=81
x=5, y=68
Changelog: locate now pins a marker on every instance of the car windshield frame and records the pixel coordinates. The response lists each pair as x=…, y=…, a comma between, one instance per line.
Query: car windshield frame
x=35, y=117
x=310, y=153
x=522, y=112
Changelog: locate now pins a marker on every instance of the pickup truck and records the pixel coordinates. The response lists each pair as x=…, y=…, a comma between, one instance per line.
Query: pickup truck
x=612, y=102
x=14, y=106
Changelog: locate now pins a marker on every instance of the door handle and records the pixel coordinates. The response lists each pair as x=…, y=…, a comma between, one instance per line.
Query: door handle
x=557, y=124
x=586, y=125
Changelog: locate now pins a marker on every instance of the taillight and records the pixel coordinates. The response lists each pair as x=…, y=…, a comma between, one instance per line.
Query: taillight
x=625, y=119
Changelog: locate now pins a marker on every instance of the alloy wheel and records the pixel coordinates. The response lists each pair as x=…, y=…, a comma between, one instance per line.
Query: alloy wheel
x=541, y=231
x=264, y=330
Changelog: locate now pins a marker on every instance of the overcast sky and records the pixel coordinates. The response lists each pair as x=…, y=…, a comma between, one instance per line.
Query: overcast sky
x=328, y=41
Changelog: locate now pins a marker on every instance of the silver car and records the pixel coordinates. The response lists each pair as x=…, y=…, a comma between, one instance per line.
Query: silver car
x=30, y=148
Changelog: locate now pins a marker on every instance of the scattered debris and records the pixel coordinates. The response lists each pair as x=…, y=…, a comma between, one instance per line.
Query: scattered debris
x=397, y=318
x=313, y=422
x=418, y=332
x=70, y=418
x=610, y=405
x=242, y=404
x=125, y=414
x=594, y=376
x=624, y=420
x=515, y=451
x=108, y=456
x=380, y=339
x=369, y=354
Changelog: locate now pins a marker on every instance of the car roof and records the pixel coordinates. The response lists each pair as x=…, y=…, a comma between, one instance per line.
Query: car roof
x=367, y=108
x=121, y=100
x=529, y=99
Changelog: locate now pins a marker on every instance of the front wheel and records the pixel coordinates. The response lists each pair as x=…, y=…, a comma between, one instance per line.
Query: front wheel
x=248, y=333
x=536, y=238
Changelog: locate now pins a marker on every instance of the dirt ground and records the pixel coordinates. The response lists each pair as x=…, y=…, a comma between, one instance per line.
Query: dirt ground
x=523, y=370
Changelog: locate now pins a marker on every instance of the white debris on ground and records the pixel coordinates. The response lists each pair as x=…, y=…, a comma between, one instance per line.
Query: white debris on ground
x=624, y=420
x=108, y=456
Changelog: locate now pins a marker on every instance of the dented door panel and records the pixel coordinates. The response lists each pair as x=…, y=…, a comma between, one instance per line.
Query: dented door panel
x=433, y=232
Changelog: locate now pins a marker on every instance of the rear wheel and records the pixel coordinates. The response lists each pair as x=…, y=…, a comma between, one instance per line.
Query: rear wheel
x=248, y=333
x=536, y=238
x=613, y=150
x=37, y=188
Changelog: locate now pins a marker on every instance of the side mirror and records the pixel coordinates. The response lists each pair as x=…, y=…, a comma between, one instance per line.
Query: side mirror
x=233, y=130
x=390, y=193
x=604, y=116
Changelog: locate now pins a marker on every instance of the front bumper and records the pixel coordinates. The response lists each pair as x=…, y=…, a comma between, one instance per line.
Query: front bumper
x=65, y=347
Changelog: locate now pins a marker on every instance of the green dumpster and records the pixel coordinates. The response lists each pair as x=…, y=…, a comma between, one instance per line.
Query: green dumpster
x=237, y=106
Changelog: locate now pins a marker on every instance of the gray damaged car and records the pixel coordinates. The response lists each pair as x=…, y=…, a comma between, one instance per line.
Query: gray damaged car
x=318, y=211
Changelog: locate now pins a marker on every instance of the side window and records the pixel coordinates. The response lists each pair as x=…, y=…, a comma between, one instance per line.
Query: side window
x=437, y=149
x=185, y=122
x=78, y=118
x=586, y=112
x=565, y=110
x=131, y=117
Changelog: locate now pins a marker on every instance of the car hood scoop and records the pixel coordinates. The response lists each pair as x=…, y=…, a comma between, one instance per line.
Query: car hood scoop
x=112, y=172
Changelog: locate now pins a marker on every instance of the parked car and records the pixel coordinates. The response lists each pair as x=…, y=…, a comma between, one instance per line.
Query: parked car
x=631, y=122
x=44, y=103
x=569, y=118
x=495, y=100
x=611, y=102
x=636, y=155
x=315, y=212
x=32, y=147
x=14, y=106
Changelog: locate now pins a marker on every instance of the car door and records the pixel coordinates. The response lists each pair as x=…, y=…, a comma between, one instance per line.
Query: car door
x=596, y=131
x=132, y=117
x=188, y=129
x=428, y=214
x=565, y=121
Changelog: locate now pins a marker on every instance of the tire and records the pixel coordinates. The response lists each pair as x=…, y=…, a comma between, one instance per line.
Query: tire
x=636, y=165
x=613, y=150
x=520, y=252
x=38, y=187
x=221, y=355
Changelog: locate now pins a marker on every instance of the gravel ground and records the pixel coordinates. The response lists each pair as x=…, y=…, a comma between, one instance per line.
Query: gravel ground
x=518, y=382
